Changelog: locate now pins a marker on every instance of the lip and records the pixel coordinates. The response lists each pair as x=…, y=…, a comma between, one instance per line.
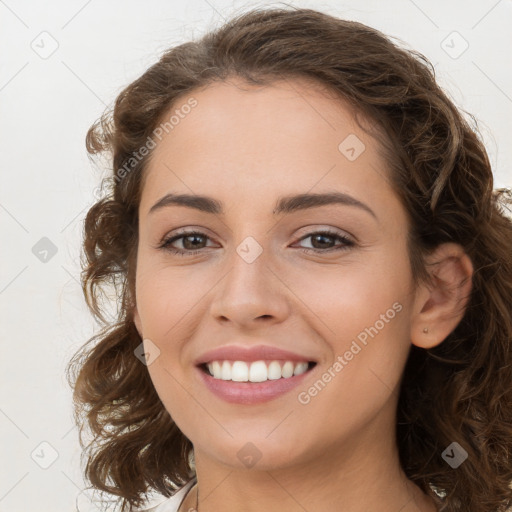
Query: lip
x=249, y=393
x=249, y=354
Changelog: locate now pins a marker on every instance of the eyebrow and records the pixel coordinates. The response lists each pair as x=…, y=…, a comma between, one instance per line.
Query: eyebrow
x=285, y=204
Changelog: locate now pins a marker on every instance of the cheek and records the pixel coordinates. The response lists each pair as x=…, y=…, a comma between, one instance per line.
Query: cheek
x=362, y=311
x=170, y=302
x=346, y=299
x=366, y=332
x=166, y=295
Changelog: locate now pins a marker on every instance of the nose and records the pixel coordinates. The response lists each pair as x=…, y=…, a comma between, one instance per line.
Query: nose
x=250, y=294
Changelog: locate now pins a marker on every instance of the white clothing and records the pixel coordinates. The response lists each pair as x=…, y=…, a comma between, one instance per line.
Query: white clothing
x=171, y=504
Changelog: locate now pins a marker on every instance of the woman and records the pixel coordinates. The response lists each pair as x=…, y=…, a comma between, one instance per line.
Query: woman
x=315, y=282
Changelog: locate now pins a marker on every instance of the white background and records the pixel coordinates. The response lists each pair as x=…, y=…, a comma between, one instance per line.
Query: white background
x=47, y=105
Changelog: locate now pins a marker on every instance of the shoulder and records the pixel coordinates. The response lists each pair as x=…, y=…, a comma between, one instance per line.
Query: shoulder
x=168, y=504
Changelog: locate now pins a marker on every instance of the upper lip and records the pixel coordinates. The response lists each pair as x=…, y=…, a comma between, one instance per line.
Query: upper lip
x=254, y=353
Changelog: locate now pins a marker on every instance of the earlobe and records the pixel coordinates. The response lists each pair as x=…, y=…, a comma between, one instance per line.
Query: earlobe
x=439, y=308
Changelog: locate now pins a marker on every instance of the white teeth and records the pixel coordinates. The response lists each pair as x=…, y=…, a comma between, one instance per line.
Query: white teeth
x=274, y=371
x=300, y=368
x=225, y=373
x=257, y=371
x=239, y=372
x=217, y=370
x=287, y=369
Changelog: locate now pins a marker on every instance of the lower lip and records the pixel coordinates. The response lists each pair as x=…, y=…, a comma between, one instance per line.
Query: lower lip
x=251, y=392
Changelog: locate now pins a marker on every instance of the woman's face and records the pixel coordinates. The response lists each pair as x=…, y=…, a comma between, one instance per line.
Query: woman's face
x=255, y=278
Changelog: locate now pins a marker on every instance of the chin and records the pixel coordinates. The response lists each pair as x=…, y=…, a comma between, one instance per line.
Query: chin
x=256, y=452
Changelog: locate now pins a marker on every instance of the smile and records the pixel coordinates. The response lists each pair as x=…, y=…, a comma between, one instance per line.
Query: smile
x=250, y=383
x=256, y=371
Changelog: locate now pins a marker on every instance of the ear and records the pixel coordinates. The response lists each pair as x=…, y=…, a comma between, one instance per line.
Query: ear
x=136, y=321
x=440, y=306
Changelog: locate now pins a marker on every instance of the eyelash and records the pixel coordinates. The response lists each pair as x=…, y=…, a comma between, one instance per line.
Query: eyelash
x=166, y=244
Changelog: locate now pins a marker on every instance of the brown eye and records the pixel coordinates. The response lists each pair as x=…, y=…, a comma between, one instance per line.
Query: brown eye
x=322, y=241
x=191, y=241
x=194, y=241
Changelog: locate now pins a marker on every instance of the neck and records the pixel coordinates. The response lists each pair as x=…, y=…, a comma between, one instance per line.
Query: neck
x=349, y=476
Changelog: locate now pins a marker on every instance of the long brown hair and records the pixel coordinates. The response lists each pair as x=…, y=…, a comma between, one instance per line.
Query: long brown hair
x=459, y=391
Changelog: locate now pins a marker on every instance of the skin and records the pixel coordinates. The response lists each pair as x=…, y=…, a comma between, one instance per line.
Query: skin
x=246, y=146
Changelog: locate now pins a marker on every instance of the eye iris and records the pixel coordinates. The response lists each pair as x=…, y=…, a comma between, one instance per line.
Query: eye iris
x=321, y=236
x=186, y=239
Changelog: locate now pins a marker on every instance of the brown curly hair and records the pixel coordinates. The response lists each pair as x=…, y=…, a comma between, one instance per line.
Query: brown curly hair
x=460, y=390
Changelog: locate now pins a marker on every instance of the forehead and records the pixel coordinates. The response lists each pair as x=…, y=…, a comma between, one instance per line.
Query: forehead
x=241, y=141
